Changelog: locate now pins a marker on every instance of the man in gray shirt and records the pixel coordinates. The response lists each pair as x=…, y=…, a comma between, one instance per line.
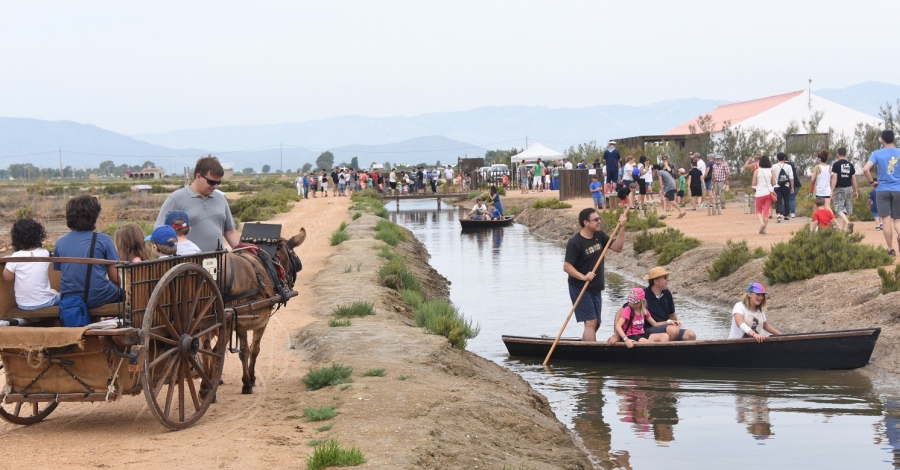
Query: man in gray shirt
x=205, y=205
x=667, y=189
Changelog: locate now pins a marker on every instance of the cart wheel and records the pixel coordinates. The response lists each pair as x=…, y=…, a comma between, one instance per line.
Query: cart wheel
x=183, y=341
x=26, y=413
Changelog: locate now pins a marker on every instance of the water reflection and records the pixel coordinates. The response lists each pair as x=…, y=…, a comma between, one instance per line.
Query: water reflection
x=652, y=417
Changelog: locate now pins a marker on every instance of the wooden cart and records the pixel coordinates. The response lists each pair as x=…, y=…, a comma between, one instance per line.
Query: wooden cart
x=170, y=344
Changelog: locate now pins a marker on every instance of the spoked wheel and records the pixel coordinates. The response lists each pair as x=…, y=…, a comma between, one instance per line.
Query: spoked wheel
x=184, y=339
x=26, y=413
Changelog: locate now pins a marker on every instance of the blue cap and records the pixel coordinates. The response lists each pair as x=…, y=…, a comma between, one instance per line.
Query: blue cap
x=172, y=216
x=163, y=235
x=757, y=288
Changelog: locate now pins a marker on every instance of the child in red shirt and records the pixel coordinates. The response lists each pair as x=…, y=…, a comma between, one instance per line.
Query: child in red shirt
x=823, y=216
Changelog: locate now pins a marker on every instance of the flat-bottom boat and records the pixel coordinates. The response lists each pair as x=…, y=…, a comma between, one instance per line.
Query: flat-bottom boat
x=470, y=223
x=845, y=349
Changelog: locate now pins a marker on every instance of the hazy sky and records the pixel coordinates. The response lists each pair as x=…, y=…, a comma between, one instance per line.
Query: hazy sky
x=157, y=66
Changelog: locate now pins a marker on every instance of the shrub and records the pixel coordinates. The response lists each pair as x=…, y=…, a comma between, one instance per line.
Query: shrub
x=326, y=427
x=342, y=226
x=413, y=298
x=357, y=215
x=609, y=220
x=374, y=373
x=808, y=254
x=512, y=210
x=441, y=317
x=331, y=454
x=327, y=376
x=315, y=442
x=268, y=202
x=667, y=244
x=473, y=195
x=337, y=237
x=403, y=377
x=552, y=203
x=732, y=258
x=395, y=275
x=338, y=323
x=862, y=208
x=319, y=414
x=356, y=309
x=890, y=281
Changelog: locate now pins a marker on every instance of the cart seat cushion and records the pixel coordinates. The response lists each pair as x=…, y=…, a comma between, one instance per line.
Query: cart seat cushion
x=29, y=338
x=108, y=310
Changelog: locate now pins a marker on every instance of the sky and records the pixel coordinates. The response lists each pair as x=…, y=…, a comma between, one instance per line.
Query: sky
x=135, y=67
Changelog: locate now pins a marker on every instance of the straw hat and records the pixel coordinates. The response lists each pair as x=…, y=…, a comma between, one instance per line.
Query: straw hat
x=656, y=272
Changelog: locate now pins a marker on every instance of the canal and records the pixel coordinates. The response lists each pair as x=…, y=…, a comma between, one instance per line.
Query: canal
x=633, y=417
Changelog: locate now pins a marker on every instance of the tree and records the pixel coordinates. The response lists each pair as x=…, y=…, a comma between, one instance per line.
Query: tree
x=107, y=168
x=325, y=160
x=306, y=167
x=387, y=165
x=266, y=168
x=4, y=174
x=354, y=162
x=148, y=164
x=247, y=171
x=588, y=152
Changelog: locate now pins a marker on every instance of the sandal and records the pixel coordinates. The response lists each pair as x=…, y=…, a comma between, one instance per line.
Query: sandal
x=892, y=252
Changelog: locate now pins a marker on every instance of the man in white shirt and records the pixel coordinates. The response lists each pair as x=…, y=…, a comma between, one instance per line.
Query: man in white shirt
x=448, y=177
x=568, y=163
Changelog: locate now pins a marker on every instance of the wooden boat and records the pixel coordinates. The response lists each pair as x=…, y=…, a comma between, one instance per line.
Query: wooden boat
x=468, y=223
x=846, y=349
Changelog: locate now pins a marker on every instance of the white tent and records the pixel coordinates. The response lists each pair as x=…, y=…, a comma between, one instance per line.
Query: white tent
x=531, y=154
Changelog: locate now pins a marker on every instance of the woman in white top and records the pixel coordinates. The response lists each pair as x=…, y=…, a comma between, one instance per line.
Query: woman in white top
x=764, y=182
x=392, y=180
x=749, y=315
x=821, y=179
x=648, y=181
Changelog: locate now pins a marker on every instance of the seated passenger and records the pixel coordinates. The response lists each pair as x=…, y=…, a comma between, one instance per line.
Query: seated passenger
x=31, y=284
x=494, y=212
x=478, y=212
x=81, y=216
x=749, y=315
x=163, y=241
x=630, y=320
x=180, y=221
x=130, y=243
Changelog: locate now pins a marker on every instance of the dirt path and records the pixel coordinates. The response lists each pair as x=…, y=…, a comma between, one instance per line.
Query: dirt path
x=437, y=407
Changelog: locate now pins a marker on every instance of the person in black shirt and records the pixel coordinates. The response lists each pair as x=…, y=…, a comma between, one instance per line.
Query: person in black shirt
x=582, y=253
x=662, y=308
x=843, y=190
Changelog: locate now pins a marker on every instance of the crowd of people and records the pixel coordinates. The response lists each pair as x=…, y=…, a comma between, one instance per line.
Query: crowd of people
x=346, y=181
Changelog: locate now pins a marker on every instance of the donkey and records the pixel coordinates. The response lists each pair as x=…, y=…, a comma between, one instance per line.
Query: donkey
x=247, y=281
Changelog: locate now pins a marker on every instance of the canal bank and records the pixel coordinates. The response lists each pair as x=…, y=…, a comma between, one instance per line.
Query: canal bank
x=436, y=406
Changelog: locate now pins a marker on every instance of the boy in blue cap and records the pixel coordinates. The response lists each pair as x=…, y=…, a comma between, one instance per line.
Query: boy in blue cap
x=180, y=221
x=163, y=241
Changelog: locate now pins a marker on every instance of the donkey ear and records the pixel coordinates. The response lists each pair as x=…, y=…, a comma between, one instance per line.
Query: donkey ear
x=298, y=239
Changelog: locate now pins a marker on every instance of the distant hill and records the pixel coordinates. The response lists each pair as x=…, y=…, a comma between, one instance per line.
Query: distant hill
x=489, y=127
x=867, y=97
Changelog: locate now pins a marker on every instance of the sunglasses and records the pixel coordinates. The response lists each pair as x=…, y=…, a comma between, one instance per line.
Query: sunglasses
x=212, y=182
x=597, y=219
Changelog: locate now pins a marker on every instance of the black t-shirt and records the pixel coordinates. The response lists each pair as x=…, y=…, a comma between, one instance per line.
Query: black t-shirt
x=696, y=175
x=583, y=253
x=660, y=308
x=334, y=177
x=844, y=171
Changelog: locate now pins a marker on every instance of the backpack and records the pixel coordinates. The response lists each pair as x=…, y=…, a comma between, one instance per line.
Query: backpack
x=796, y=176
x=783, y=180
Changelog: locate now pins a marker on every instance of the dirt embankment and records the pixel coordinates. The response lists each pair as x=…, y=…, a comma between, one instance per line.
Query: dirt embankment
x=834, y=301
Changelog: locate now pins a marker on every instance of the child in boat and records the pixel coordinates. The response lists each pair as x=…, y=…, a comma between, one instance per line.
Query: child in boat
x=495, y=213
x=130, y=244
x=750, y=315
x=163, y=241
x=631, y=318
x=31, y=284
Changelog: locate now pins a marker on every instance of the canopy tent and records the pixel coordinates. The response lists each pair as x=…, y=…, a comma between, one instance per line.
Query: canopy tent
x=531, y=154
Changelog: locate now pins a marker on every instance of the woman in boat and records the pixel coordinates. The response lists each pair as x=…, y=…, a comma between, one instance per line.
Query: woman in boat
x=750, y=315
x=631, y=318
x=495, y=197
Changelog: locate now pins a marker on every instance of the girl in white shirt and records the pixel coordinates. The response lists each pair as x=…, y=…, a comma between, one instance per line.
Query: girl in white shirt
x=32, y=286
x=749, y=315
x=764, y=182
x=821, y=176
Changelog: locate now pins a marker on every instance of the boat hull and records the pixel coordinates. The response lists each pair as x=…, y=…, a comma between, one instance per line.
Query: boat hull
x=469, y=224
x=847, y=349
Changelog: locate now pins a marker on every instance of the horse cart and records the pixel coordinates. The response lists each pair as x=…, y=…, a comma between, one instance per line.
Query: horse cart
x=167, y=338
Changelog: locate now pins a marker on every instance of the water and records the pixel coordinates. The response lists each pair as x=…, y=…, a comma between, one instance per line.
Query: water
x=652, y=417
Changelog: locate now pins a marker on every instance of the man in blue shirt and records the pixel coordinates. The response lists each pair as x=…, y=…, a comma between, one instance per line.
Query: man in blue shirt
x=888, y=198
x=612, y=158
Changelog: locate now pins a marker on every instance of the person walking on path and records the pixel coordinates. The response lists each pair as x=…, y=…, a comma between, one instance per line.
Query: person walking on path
x=820, y=182
x=720, y=172
x=844, y=190
x=206, y=206
x=888, y=198
x=695, y=184
x=784, y=186
x=583, y=250
x=764, y=181
x=667, y=190
x=538, y=176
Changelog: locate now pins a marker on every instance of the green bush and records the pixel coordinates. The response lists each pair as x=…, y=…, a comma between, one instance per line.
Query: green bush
x=395, y=275
x=862, y=208
x=389, y=232
x=413, y=298
x=552, y=203
x=357, y=215
x=356, y=309
x=319, y=414
x=331, y=454
x=808, y=254
x=667, y=244
x=327, y=376
x=441, y=317
x=338, y=323
x=374, y=373
x=512, y=210
x=337, y=237
x=732, y=258
x=264, y=205
x=473, y=195
x=609, y=219
x=890, y=281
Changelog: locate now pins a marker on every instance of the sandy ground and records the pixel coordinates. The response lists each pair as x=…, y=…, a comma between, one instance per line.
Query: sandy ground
x=437, y=407
x=830, y=302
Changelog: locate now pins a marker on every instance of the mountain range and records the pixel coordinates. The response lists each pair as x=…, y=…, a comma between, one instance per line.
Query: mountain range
x=425, y=138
